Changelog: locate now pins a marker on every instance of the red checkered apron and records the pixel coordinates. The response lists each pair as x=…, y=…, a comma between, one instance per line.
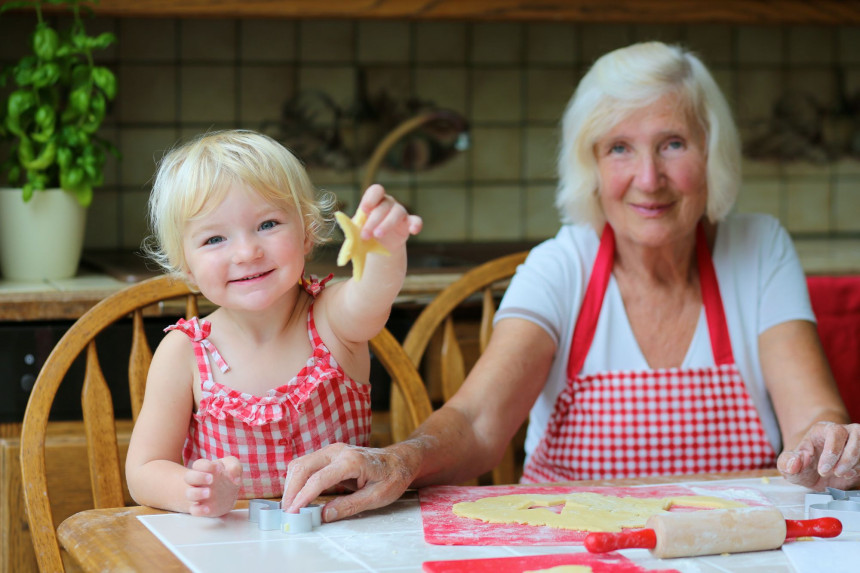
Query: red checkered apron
x=655, y=422
x=320, y=406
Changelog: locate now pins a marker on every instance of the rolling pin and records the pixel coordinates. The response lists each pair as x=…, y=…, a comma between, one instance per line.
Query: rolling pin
x=711, y=532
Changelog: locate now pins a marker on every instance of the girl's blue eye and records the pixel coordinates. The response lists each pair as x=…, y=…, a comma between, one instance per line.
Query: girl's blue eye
x=214, y=240
x=268, y=225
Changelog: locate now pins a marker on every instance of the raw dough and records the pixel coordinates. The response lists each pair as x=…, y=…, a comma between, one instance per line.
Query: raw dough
x=583, y=511
x=564, y=569
x=355, y=248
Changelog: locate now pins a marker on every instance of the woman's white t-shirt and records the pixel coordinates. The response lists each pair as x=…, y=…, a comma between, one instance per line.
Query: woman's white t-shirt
x=761, y=282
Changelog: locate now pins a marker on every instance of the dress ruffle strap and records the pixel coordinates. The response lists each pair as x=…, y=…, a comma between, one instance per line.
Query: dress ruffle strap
x=198, y=331
x=314, y=285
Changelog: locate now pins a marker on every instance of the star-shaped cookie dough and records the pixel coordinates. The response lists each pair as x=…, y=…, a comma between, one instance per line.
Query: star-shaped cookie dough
x=355, y=248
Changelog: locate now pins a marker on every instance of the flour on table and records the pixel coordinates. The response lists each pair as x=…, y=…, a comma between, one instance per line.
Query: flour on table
x=581, y=511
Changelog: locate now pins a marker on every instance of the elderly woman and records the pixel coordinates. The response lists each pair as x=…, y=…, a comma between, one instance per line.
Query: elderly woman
x=655, y=334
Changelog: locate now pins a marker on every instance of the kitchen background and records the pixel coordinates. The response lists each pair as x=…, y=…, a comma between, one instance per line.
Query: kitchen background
x=795, y=91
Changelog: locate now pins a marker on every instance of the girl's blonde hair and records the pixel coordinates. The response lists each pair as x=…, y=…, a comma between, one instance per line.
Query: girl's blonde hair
x=628, y=79
x=193, y=178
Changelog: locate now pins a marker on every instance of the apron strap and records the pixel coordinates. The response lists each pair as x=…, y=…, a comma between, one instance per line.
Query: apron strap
x=721, y=344
x=586, y=324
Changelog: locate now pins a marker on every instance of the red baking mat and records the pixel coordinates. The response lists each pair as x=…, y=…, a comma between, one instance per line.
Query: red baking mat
x=442, y=527
x=613, y=563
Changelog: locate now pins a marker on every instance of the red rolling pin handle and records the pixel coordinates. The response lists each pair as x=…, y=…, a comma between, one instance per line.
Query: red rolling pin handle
x=821, y=527
x=603, y=542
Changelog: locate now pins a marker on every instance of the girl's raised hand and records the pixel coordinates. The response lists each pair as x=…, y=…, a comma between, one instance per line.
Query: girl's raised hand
x=387, y=220
x=213, y=486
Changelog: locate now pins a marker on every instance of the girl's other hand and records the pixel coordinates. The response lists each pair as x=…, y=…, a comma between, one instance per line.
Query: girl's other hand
x=213, y=486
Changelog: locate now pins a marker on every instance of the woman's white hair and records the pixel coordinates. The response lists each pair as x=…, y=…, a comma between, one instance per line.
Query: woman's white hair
x=628, y=79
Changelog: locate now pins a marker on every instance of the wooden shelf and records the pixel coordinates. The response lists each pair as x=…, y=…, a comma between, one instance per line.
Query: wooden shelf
x=821, y=12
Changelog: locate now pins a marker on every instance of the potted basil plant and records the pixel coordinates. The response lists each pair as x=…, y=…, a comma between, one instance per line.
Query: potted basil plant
x=54, y=99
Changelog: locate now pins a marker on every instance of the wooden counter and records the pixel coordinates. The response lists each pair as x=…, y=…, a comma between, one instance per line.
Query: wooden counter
x=431, y=270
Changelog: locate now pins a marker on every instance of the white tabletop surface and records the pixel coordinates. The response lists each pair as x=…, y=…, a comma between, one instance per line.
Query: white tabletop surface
x=391, y=540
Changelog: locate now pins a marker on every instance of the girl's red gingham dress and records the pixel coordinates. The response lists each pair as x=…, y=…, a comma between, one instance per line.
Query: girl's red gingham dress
x=319, y=406
x=655, y=422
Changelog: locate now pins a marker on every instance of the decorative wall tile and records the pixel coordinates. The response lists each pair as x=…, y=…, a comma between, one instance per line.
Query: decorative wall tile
x=208, y=94
x=846, y=203
x=147, y=93
x=542, y=219
x=444, y=211
x=263, y=91
x=713, y=43
x=547, y=93
x=103, y=220
x=808, y=205
x=497, y=43
x=496, y=95
x=759, y=45
x=667, y=33
x=208, y=40
x=440, y=42
x=760, y=196
x=549, y=43
x=445, y=87
x=541, y=152
x=496, y=213
x=598, y=39
x=327, y=41
x=811, y=45
x=384, y=41
x=133, y=210
x=267, y=40
x=511, y=81
x=147, y=40
x=758, y=91
x=141, y=148
x=496, y=153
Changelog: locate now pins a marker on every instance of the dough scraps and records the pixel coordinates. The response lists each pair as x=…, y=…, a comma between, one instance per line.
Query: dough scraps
x=355, y=248
x=582, y=511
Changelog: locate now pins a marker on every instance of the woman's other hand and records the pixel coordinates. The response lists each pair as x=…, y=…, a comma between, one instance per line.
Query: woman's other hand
x=827, y=456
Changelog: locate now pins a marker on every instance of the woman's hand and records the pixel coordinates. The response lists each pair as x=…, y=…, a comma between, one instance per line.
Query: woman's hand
x=827, y=456
x=377, y=477
x=213, y=486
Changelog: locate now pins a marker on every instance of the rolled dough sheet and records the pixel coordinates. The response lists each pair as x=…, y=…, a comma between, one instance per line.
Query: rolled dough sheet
x=582, y=511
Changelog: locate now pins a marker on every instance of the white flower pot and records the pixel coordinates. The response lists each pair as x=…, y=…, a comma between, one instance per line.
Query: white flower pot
x=41, y=239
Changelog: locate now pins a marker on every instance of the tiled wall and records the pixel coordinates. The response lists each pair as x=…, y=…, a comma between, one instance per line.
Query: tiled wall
x=511, y=80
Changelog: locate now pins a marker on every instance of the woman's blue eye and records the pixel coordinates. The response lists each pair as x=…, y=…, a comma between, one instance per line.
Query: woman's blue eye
x=617, y=148
x=675, y=144
x=268, y=225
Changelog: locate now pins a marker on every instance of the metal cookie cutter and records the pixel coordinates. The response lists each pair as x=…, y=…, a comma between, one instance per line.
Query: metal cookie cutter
x=843, y=505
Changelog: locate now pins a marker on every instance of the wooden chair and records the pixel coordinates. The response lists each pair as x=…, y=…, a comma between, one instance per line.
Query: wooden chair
x=437, y=322
x=99, y=424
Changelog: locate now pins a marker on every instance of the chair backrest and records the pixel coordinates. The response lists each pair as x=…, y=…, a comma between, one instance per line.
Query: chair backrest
x=97, y=407
x=437, y=316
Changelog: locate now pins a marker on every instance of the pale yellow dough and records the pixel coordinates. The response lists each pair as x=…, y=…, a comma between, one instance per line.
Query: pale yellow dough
x=583, y=511
x=564, y=569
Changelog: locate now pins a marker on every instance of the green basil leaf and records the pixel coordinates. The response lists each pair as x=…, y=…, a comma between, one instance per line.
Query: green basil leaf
x=45, y=41
x=105, y=80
